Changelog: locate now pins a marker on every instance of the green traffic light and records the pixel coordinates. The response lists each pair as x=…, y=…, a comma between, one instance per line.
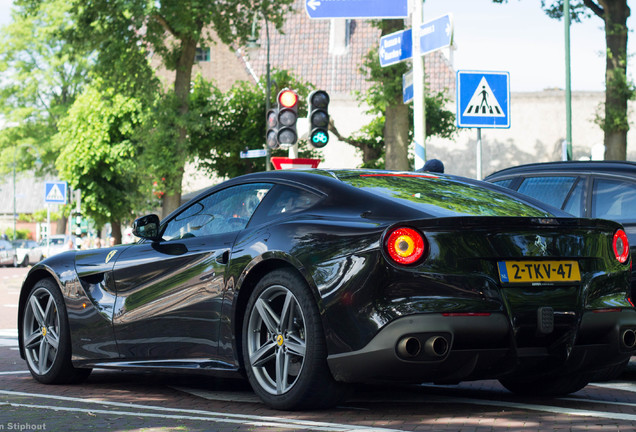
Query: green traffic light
x=320, y=138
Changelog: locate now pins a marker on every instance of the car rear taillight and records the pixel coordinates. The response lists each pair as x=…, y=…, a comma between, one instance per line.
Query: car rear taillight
x=621, y=246
x=405, y=245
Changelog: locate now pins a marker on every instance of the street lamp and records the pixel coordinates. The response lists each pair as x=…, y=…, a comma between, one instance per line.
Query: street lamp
x=252, y=43
x=15, y=157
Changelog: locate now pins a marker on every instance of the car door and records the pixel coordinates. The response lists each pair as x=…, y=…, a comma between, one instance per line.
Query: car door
x=169, y=292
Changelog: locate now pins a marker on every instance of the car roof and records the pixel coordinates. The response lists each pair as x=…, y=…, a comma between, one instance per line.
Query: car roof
x=624, y=168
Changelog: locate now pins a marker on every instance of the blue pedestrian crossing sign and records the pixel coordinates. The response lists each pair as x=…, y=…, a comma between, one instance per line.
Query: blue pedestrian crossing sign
x=483, y=99
x=55, y=192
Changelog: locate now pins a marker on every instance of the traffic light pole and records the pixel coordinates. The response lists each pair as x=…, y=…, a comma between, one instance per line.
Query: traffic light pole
x=268, y=94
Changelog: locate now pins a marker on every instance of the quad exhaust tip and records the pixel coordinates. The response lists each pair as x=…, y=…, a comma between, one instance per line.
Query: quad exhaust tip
x=629, y=338
x=434, y=346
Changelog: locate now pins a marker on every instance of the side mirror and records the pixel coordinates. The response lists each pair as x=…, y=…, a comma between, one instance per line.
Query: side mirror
x=147, y=227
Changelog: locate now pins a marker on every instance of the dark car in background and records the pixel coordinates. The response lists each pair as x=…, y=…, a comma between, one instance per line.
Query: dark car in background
x=305, y=281
x=592, y=189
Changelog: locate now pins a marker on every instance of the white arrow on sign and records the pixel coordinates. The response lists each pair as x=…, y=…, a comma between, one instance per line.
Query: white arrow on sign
x=313, y=4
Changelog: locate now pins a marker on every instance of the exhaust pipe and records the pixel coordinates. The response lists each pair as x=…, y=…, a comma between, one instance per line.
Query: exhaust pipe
x=436, y=346
x=629, y=338
x=409, y=347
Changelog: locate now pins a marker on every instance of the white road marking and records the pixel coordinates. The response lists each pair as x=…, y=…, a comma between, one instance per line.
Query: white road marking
x=544, y=408
x=617, y=386
x=9, y=333
x=15, y=373
x=10, y=305
x=251, y=420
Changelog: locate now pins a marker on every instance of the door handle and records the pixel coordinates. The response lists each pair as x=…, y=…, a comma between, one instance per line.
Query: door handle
x=224, y=257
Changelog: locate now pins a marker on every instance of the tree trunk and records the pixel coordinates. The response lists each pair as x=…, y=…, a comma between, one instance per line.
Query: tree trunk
x=115, y=232
x=617, y=88
x=396, y=137
x=183, y=78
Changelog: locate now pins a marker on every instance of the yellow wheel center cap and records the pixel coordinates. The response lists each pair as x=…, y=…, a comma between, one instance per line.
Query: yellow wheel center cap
x=43, y=331
x=279, y=340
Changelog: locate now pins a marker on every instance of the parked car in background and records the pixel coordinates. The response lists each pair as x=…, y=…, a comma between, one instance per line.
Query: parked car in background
x=28, y=252
x=7, y=254
x=58, y=243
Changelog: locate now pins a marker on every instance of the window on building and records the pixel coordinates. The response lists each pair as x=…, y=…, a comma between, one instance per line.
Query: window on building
x=202, y=54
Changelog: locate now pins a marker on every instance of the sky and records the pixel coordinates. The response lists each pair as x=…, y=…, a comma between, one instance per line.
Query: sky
x=518, y=38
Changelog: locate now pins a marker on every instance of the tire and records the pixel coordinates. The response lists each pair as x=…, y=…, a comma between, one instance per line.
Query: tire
x=284, y=347
x=25, y=261
x=46, y=338
x=560, y=385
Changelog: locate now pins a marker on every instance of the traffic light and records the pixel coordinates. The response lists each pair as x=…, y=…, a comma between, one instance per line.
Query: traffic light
x=287, y=116
x=271, y=136
x=318, y=114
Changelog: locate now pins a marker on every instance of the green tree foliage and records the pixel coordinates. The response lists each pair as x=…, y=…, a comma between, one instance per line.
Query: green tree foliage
x=385, y=96
x=100, y=154
x=237, y=122
x=172, y=29
x=41, y=77
x=618, y=88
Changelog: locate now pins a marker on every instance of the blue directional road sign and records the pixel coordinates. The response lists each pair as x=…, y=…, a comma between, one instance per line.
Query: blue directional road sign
x=396, y=47
x=55, y=192
x=483, y=99
x=357, y=8
x=407, y=87
x=434, y=35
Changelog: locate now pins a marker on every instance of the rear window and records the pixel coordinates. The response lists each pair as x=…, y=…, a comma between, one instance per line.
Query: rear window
x=442, y=196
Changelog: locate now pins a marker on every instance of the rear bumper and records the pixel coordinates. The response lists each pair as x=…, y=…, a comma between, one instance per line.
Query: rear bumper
x=480, y=347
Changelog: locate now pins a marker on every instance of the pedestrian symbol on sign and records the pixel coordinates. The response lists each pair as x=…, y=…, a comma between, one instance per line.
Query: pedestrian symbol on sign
x=483, y=103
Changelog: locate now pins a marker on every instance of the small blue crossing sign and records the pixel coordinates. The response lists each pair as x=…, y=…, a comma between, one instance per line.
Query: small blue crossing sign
x=483, y=99
x=55, y=192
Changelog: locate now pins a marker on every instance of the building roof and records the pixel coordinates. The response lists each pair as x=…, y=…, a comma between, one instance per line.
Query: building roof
x=307, y=48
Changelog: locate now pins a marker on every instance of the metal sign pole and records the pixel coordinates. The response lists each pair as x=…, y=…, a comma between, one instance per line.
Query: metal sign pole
x=48, y=229
x=419, y=112
x=478, y=174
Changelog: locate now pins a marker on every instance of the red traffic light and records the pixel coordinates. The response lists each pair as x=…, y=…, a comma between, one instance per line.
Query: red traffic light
x=287, y=98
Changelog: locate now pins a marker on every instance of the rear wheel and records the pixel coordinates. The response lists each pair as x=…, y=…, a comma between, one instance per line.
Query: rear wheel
x=25, y=261
x=284, y=345
x=46, y=338
x=547, y=386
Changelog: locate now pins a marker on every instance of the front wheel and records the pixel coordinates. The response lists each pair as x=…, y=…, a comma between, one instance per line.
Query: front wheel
x=284, y=346
x=45, y=336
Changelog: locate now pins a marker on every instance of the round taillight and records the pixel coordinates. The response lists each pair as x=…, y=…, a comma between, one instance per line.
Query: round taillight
x=405, y=245
x=621, y=246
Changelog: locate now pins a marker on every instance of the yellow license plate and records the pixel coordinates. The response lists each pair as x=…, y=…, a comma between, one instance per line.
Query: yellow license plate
x=538, y=271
